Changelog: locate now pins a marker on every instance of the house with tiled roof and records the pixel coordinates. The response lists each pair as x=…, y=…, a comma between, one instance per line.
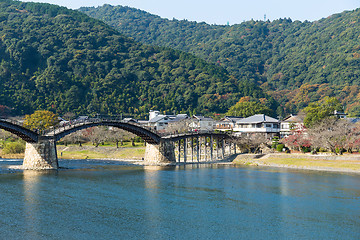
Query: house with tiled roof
x=290, y=124
x=160, y=122
x=260, y=124
x=227, y=123
x=201, y=123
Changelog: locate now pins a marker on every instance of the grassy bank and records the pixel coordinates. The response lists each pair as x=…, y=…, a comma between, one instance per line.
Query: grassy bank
x=343, y=163
x=91, y=152
x=88, y=151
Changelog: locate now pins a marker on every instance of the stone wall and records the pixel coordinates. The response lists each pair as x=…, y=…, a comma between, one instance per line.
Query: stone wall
x=41, y=155
x=161, y=153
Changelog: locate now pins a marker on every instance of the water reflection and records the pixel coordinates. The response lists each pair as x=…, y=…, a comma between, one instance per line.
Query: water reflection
x=153, y=216
x=32, y=181
x=32, y=202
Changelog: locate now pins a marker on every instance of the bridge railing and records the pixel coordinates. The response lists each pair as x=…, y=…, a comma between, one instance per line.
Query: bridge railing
x=11, y=121
x=76, y=123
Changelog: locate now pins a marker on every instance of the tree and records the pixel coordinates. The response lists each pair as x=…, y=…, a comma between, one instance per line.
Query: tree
x=41, y=120
x=320, y=110
x=330, y=133
x=248, y=108
x=96, y=135
x=297, y=140
x=4, y=111
x=75, y=138
x=117, y=135
x=250, y=143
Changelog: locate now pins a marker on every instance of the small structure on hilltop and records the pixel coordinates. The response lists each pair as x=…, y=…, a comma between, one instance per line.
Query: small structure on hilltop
x=340, y=115
x=258, y=124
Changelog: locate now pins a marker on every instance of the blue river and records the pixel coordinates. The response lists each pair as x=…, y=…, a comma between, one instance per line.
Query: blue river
x=112, y=200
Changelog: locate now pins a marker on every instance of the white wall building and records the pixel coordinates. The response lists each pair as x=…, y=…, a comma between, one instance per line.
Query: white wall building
x=259, y=123
x=201, y=123
x=227, y=123
x=290, y=124
x=159, y=122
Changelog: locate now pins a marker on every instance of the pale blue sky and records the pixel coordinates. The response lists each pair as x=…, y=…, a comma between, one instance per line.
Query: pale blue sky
x=220, y=12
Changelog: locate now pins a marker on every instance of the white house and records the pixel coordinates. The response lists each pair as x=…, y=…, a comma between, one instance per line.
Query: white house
x=201, y=123
x=227, y=123
x=159, y=122
x=290, y=124
x=259, y=123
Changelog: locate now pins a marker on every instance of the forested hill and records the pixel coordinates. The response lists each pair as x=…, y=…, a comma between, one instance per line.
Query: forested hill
x=297, y=62
x=62, y=60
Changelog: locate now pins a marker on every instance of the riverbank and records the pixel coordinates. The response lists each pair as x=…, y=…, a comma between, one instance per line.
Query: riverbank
x=344, y=163
x=136, y=152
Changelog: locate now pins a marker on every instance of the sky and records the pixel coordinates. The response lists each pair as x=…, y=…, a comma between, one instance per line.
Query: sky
x=226, y=11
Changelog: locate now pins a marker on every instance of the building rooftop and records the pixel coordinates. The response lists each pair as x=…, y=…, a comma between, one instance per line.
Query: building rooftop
x=293, y=118
x=258, y=118
x=202, y=118
x=231, y=118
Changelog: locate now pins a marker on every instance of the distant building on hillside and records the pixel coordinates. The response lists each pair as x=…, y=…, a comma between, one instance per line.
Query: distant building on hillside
x=340, y=115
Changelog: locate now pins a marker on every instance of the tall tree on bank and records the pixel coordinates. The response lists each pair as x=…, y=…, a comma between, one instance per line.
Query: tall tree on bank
x=247, y=107
x=41, y=120
x=318, y=111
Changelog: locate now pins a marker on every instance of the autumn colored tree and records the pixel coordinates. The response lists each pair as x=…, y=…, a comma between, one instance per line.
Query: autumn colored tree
x=41, y=120
x=4, y=110
x=297, y=140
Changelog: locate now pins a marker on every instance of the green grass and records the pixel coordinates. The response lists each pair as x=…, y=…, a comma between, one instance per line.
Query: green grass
x=306, y=162
x=75, y=152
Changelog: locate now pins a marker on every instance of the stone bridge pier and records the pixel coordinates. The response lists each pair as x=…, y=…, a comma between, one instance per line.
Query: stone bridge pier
x=160, y=153
x=41, y=155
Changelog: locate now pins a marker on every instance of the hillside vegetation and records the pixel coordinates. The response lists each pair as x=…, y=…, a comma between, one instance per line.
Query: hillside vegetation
x=296, y=62
x=53, y=58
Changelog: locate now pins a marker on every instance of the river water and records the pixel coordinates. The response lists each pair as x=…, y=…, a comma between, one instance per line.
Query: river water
x=109, y=200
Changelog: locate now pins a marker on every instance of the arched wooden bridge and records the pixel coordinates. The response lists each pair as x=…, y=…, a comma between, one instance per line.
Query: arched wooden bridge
x=41, y=148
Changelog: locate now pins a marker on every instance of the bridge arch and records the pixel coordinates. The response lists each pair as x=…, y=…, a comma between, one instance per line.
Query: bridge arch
x=147, y=135
x=24, y=133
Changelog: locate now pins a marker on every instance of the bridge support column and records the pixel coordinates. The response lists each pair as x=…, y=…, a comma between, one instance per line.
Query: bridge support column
x=164, y=152
x=185, y=150
x=41, y=155
x=211, y=148
x=192, y=149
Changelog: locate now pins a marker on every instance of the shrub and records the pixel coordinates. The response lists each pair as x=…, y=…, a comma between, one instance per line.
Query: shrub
x=305, y=149
x=14, y=147
x=279, y=147
x=275, y=142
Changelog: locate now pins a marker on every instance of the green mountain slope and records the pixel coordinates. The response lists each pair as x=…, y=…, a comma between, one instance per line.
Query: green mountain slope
x=62, y=60
x=286, y=58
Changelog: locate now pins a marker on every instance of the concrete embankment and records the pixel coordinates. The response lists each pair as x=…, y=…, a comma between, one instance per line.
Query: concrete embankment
x=334, y=163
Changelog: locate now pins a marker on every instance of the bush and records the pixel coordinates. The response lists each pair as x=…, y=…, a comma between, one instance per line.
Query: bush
x=305, y=149
x=275, y=142
x=280, y=147
x=14, y=147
